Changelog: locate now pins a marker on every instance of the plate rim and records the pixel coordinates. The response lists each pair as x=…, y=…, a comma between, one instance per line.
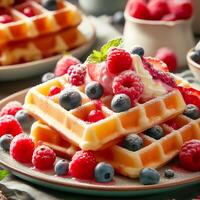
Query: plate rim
x=54, y=57
x=88, y=186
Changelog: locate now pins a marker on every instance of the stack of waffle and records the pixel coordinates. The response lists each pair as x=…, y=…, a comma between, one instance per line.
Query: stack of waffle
x=31, y=31
x=67, y=131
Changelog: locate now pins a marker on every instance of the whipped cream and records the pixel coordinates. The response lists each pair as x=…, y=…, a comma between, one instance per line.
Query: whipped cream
x=152, y=88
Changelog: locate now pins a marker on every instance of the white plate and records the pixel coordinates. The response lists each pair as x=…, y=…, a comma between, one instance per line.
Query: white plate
x=29, y=69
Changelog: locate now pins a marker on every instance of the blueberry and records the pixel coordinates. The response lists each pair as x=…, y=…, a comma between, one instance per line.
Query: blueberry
x=50, y=4
x=70, y=99
x=48, y=76
x=149, y=176
x=138, y=50
x=169, y=173
x=155, y=132
x=94, y=90
x=133, y=142
x=61, y=167
x=192, y=111
x=118, y=18
x=104, y=172
x=195, y=56
x=5, y=141
x=24, y=119
x=120, y=103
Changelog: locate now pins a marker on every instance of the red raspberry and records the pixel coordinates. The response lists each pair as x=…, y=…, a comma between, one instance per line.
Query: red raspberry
x=9, y=125
x=172, y=124
x=21, y=148
x=28, y=11
x=43, y=158
x=189, y=155
x=4, y=19
x=161, y=75
x=190, y=95
x=181, y=8
x=64, y=63
x=118, y=60
x=82, y=165
x=77, y=74
x=169, y=17
x=54, y=90
x=158, y=8
x=11, y=108
x=130, y=84
x=138, y=9
x=169, y=57
x=99, y=73
x=95, y=116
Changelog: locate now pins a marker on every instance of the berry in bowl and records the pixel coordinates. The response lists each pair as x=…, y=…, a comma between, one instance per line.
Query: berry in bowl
x=157, y=23
x=193, y=59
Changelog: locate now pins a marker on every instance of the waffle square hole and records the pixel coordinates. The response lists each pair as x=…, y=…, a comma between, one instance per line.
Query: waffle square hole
x=83, y=111
x=29, y=10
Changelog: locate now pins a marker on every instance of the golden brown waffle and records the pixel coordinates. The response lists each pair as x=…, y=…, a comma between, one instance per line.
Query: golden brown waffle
x=155, y=153
x=95, y=136
x=44, y=46
x=6, y=3
x=44, y=22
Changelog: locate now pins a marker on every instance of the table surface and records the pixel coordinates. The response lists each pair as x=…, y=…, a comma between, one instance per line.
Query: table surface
x=16, y=188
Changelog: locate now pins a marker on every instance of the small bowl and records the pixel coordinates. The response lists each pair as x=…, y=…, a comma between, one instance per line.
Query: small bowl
x=152, y=35
x=194, y=67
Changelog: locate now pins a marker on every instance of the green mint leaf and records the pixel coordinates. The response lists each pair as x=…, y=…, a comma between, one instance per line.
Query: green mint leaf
x=3, y=174
x=99, y=56
x=112, y=43
x=94, y=57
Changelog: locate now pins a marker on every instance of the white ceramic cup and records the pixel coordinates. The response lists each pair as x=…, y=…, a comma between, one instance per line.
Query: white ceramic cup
x=152, y=35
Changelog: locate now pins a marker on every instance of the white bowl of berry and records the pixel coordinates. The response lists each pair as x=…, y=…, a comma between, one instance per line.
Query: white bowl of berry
x=158, y=24
x=193, y=59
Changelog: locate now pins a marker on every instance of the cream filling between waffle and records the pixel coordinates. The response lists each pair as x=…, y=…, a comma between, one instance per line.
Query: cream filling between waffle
x=152, y=88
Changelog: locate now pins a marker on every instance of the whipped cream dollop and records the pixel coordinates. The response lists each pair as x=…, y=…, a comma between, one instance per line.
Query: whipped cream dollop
x=152, y=88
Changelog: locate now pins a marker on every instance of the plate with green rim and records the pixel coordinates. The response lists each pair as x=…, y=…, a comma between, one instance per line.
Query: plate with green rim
x=120, y=186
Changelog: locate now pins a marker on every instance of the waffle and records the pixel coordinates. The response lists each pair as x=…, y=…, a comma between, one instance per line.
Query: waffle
x=43, y=23
x=6, y=3
x=155, y=153
x=44, y=46
x=101, y=134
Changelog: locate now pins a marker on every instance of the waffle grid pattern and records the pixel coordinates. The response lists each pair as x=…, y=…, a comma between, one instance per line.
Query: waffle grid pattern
x=43, y=23
x=98, y=135
x=45, y=46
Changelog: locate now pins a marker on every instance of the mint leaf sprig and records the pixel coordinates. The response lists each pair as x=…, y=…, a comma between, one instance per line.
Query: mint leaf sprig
x=100, y=56
x=3, y=174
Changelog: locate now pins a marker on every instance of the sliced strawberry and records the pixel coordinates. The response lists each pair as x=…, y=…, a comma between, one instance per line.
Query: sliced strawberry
x=99, y=73
x=157, y=63
x=190, y=95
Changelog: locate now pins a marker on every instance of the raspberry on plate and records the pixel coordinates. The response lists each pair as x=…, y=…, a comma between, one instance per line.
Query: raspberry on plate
x=82, y=165
x=158, y=8
x=11, y=108
x=138, y=9
x=169, y=57
x=4, y=19
x=129, y=83
x=77, y=74
x=43, y=158
x=9, y=125
x=21, y=148
x=189, y=155
x=118, y=60
x=64, y=63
